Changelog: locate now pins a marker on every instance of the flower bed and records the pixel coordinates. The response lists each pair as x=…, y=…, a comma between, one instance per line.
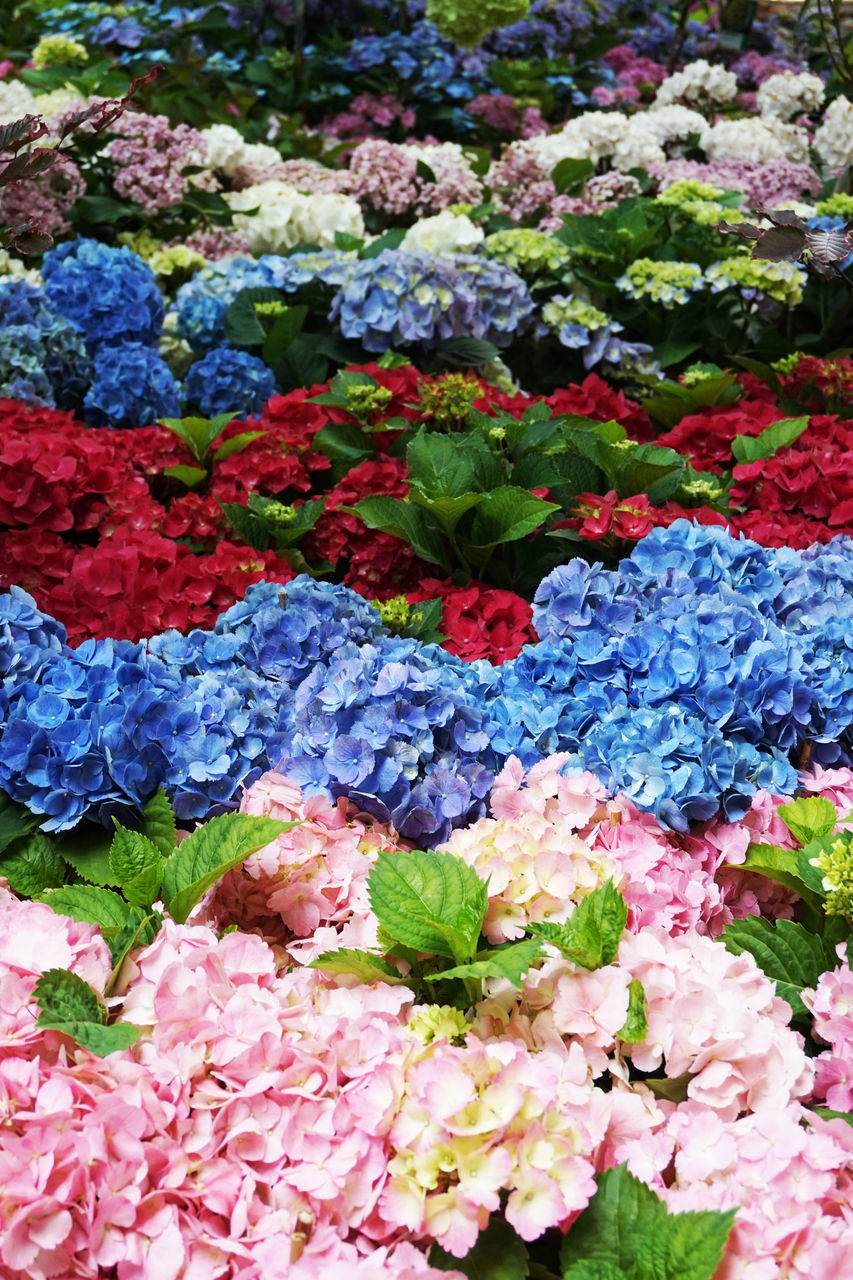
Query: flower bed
x=426, y=687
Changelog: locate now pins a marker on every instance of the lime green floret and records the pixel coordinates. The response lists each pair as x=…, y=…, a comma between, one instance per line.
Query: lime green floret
x=466, y=22
x=165, y=262
x=782, y=281
x=431, y=1022
x=364, y=400
x=838, y=206
x=394, y=612
x=522, y=249
x=787, y=364
x=670, y=283
x=837, y=869
x=448, y=399
x=703, y=489
x=58, y=50
x=560, y=311
x=280, y=513
x=688, y=190
x=274, y=308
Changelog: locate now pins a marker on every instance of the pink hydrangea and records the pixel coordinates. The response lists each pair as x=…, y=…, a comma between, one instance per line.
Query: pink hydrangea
x=150, y=156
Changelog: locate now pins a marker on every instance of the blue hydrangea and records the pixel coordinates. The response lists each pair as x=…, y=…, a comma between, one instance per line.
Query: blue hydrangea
x=132, y=386
x=109, y=293
x=43, y=358
x=399, y=298
x=227, y=379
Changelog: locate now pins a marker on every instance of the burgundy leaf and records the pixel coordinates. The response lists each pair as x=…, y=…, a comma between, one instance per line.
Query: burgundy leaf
x=829, y=246
x=18, y=133
x=783, y=218
x=745, y=230
x=28, y=165
x=27, y=237
x=780, y=244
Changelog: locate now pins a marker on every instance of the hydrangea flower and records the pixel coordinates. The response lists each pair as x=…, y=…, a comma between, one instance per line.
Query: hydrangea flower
x=131, y=387
x=227, y=379
x=110, y=294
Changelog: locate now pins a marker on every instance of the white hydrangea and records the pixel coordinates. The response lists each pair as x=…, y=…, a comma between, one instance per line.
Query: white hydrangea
x=790, y=94
x=747, y=139
x=15, y=101
x=833, y=139
x=226, y=150
x=600, y=135
x=670, y=123
x=444, y=234
x=14, y=269
x=698, y=82
x=285, y=217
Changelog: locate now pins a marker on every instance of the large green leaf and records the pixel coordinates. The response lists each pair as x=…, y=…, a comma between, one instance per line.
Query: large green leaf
x=158, y=822
x=591, y=935
x=407, y=521
x=32, y=864
x=364, y=965
x=69, y=1005
x=809, y=818
x=498, y=1254
x=448, y=511
x=771, y=439
x=510, y=962
x=87, y=849
x=15, y=821
x=507, y=514
x=627, y=1227
x=137, y=864
x=210, y=851
x=430, y=902
x=788, y=953
x=440, y=465
x=780, y=865
x=89, y=904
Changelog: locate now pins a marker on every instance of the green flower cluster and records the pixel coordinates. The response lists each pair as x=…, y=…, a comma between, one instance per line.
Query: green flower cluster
x=394, y=612
x=837, y=868
x=363, y=401
x=527, y=251
x=839, y=205
x=448, y=400
x=670, y=283
x=698, y=201
x=572, y=310
x=781, y=281
x=58, y=50
x=467, y=22
x=279, y=513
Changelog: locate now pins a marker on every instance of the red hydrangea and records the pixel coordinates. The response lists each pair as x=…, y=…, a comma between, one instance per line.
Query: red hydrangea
x=706, y=437
x=479, y=621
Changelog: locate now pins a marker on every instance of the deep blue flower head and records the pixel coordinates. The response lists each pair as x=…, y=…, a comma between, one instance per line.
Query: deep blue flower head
x=43, y=357
x=132, y=386
x=109, y=293
x=228, y=380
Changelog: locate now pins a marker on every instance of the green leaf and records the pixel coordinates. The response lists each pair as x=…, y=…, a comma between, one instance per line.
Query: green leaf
x=448, y=511
x=571, y=172
x=636, y=1026
x=788, y=953
x=627, y=1227
x=772, y=438
x=674, y=350
x=510, y=962
x=363, y=965
x=89, y=904
x=440, y=465
x=15, y=821
x=423, y=171
x=158, y=822
x=407, y=521
x=137, y=864
x=597, y=1270
x=811, y=874
x=94, y=1036
x=390, y=240
x=343, y=240
x=242, y=324
x=248, y=527
x=139, y=931
x=286, y=328
x=507, y=514
x=465, y=353
x=431, y=902
x=64, y=996
x=32, y=864
x=87, y=849
x=190, y=476
x=211, y=850
x=343, y=442
x=809, y=818
x=590, y=937
x=826, y=1113
x=498, y=1254
x=780, y=865
x=236, y=444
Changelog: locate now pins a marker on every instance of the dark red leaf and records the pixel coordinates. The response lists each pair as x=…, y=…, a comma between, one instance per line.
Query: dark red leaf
x=18, y=133
x=780, y=244
x=829, y=246
x=783, y=218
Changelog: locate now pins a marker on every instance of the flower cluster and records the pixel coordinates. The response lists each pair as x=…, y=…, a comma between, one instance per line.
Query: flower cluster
x=110, y=294
x=150, y=156
x=670, y=283
x=227, y=380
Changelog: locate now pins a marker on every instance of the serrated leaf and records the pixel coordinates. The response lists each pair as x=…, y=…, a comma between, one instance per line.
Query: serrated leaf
x=788, y=953
x=87, y=849
x=590, y=937
x=242, y=324
x=595, y=1271
x=507, y=514
x=190, y=476
x=158, y=822
x=15, y=820
x=137, y=864
x=89, y=904
x=64, y=996
x=779, y=244
x=431, y=902
x=448, y=511
x=809, y=818
x=94, y=1036
x=826, y=1113
x=32, y=864
x=636, y=1025
x=363, y=965
x=249, y=528
x=439, y=464
x=510, y=962
x=769, y=441
x=140, y=930
x=210, y=851
x=236, y=444
x=626, y=1226
x=498, y=1254
x=407, y=521
x=343, y=442
x=781, y=866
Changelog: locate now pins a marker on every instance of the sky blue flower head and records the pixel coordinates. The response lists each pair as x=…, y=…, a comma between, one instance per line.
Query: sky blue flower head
x=227, y=380
x=132, y=386
x=109, y=293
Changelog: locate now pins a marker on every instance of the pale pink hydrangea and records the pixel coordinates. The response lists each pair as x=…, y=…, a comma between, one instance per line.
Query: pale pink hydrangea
x=831, y=1006
x=47, y=198
x=150, y=156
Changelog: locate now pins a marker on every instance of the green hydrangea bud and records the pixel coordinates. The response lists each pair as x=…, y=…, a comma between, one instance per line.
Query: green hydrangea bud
x=837, y=868
x=279, y=513
x=670, y=283
x=527, y=251
x=394, y=612
x=705, y=490
x=447, y=400
x=431, y=1022
x=467, y=22
x=58, y=50
x=362, y=401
